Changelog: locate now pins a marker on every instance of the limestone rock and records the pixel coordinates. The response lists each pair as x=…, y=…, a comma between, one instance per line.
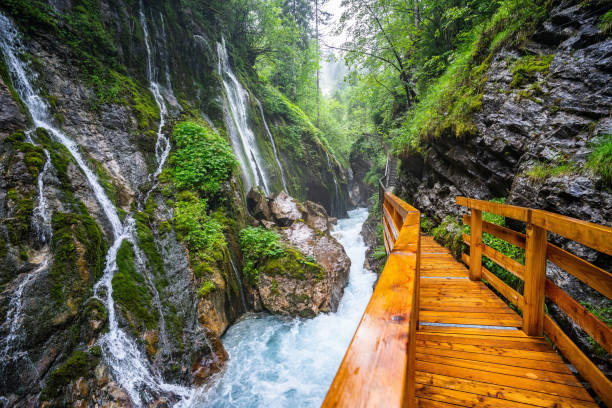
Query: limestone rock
x=286, y=209
x=257, y=204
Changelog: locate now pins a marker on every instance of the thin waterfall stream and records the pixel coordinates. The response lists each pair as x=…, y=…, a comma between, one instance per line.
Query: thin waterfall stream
x=241, y=135
x=280, y=166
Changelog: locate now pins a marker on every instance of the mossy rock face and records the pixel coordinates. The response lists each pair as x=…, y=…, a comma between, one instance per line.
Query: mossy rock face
x=79, y=251
x=130, y=292
x=80, y=364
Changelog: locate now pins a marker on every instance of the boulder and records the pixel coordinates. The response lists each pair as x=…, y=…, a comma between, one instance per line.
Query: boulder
x=316, y=216
x=257, y=204
x=286, y=209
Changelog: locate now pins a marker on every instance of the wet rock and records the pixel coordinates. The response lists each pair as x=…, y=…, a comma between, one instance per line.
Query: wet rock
x=286, y=209
x=257, y=204
x=11, y=118
x=316, y=216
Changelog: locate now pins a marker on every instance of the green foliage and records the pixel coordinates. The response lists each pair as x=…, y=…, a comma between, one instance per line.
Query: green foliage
x=258, y=245
x=290, y=263
x=600, y=159
x=446, y=103
x=207, y=287
x=604, y=314
x=130, y=290
x=512, y=251
x=203, y=160
x=605, y=23
x=542, y=171
x=194, y=227
x=525, y=68
x=79, y=364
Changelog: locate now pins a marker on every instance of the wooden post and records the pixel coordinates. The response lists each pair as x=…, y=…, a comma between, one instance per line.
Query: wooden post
x=535, y=280
x=475, y=245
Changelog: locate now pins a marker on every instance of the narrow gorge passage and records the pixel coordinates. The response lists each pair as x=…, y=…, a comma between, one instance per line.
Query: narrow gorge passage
x=290, y=362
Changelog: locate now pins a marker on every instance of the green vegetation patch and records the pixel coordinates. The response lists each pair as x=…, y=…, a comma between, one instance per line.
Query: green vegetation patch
x=291, y=263
x=600, y=159
x=542, y=171
x=207, y=287
x=130, y=290
x=195, y=227
x=525, y=68
x=75, y=237
x=203, y=160
x=79, y=364
x=259, y=245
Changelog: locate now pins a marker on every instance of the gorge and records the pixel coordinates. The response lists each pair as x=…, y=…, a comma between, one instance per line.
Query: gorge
x=187, y=220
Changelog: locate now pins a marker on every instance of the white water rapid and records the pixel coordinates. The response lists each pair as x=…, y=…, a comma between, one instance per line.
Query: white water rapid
x=130, y=368
x=280, y=166
x=241, y=135
x=284, y=362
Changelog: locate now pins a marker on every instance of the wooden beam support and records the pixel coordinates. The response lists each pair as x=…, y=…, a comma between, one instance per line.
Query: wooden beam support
x=476, y=245
x=535, y=280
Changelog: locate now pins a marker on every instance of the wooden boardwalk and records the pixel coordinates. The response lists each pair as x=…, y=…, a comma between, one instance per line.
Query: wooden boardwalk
x=435, y=334
x=497, y=366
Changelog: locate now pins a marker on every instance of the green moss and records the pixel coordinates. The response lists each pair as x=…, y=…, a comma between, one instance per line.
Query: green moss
x=75, y=235
x=605, y=23
x=525, y=68
x=207, y=287
x=292, y=263
x=258, y=246
x=23, y=206
x=79, y=364
x=540, y=172
x=130, y=290
x=600, y=159
x=147, y=243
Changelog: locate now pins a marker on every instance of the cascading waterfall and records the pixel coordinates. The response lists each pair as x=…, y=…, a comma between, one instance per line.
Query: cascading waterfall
x=130, y=367
x=14, y=317
x=162, y=144
x=280, y=166
x=41, y=217
x=236, y=115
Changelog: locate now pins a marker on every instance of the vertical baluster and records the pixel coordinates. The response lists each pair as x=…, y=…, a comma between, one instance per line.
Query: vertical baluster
x=535, y=279
x=475, y=245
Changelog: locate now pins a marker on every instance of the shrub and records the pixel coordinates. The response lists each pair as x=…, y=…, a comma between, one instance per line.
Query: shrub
x=203, y=159
x=600, y=159
x=196, y=228
x=258, y=244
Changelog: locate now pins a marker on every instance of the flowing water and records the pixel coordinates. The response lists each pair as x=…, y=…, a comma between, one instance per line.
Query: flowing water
x=285, y=362
x=280, y=166
x=162, y=144
x=41, y=217
x=241, y=135
x=130, y=368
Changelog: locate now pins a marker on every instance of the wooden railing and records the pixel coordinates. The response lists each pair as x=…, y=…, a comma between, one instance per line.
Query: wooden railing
x=533, y=273
x=378, y=369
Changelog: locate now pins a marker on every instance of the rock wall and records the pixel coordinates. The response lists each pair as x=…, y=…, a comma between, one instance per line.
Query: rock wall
x=544, y=105
x=89, y=65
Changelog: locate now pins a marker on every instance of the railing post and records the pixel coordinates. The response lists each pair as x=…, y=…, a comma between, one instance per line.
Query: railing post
x=475, y=244
x=535, y=279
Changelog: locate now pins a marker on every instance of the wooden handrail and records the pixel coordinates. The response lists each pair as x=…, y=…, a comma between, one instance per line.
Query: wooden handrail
x=378, y=369
x=536, y=286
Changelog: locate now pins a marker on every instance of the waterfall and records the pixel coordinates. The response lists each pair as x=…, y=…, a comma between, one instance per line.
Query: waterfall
x=162, y=144
x=241, y=135
x=41, y=218
x=130, y=368
x=237, y=275
x=336, y=198
x=280, y=167
x=14, y=316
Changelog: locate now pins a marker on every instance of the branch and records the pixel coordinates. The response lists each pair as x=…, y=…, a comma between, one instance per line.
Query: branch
x=378, y=57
